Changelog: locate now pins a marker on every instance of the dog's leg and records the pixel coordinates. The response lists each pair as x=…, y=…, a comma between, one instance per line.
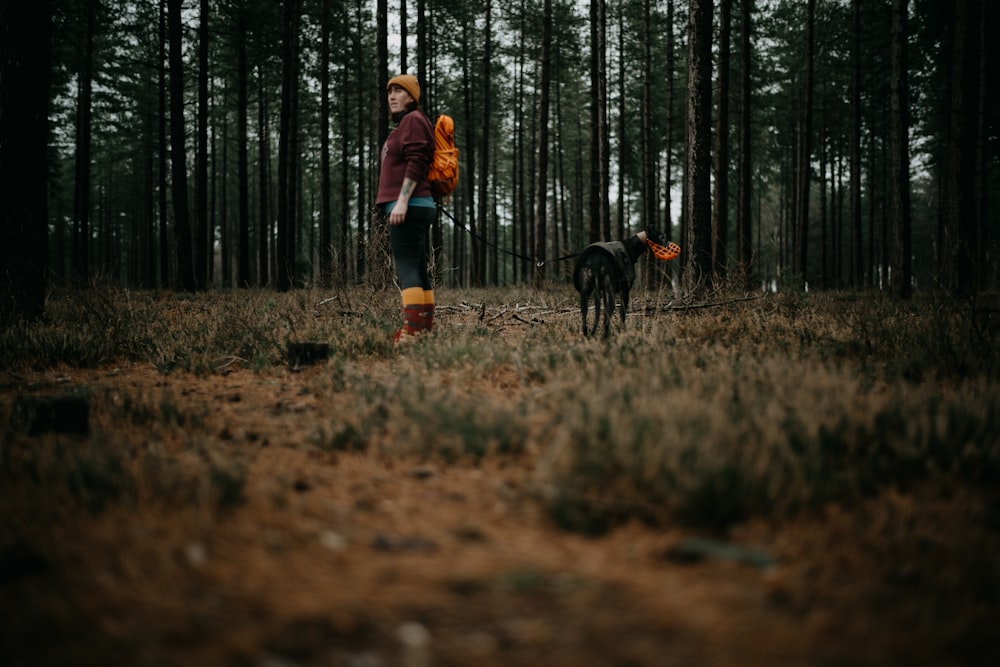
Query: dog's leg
x=608, y=294
x=625, y=292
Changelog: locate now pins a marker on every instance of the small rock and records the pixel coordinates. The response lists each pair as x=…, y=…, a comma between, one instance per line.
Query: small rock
x=333, y=541
x=413, y=635
x=196, y=554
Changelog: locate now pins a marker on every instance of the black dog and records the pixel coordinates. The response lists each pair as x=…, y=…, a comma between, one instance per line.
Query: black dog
x=607, y=268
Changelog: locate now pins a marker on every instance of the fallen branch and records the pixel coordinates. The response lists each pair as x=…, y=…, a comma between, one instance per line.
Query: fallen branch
x=699, y=306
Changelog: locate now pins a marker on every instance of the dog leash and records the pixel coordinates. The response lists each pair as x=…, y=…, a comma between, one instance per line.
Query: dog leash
x=538, y=263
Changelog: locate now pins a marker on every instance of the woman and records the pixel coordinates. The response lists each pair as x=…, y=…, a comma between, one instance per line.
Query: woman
x=405, y=197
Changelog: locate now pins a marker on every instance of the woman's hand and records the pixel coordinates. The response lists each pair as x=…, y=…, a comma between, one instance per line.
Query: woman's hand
x=398, y=213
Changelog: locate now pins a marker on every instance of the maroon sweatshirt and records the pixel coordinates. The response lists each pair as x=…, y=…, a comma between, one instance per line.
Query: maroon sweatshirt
x=407, y=153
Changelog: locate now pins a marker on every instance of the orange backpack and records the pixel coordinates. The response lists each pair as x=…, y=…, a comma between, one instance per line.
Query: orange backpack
x=443, y=172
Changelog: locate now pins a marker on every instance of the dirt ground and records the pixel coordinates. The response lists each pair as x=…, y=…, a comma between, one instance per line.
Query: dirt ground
x=352, y=558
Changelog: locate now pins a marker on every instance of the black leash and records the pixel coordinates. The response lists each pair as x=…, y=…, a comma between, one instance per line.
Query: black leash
x=504, y=250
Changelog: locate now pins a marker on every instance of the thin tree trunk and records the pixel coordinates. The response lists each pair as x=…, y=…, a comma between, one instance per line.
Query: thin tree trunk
x=744, y=219
x=900, y=246
x=403, y=50
x=242, y=151
x=473, y=268
x=856, y=270
x=264, y=183
x=600, y=214
x=325, y=240
x=383, y=118
x=541, y=191
x=345, y=192
x=668, y=184
x=650, y=197
x=163, y=148
x=720, y=213
x=804, y=179
x=484, y=151
x=618, y=229
x=84, y=113
x=203, y=242
x=288, y=151
x=178, y=154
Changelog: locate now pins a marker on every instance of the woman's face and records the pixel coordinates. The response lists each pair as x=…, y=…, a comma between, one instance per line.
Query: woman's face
x=399, y=99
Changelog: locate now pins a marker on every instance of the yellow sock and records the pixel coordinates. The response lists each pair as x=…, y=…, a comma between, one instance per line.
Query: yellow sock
x=428, y=297
x=413, y=296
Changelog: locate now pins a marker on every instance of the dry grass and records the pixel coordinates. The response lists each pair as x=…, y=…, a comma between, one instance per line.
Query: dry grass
x=874, y=419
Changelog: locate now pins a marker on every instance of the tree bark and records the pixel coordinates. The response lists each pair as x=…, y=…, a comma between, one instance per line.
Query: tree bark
x=720, y=213
x=163, y=146
x=744, y=217
x=698, y=199
x=178, y=154
x=803, y=171
x=82, y=171
x=203, y=242
x=541, y=191
x=25, y=52
x=288, y=150
x=325, y=223
x=242, y=150
x=600, y=214
x=900, y=247
x=484, y=150
x=959, y=227
x=856, y=272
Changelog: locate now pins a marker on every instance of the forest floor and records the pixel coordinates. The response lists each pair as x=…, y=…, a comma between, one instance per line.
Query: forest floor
x=360, y=558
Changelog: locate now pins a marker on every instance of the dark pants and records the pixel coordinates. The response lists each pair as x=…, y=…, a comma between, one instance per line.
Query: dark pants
x=409, y=247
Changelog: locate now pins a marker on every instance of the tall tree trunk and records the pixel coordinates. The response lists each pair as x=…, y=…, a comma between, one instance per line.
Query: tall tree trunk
x=403, y=50
x=856, y=272
x=744, y=219
x=242, y=150
x=345, y=183
x=720, y=213
x=900, y=247
x=471, y=263
x=148, y=203
x=698, y=196
x=484, y=149
x=541, y=191
x=382, y=77
x=618, y=228
x=264, y=183
x=84, y=113
x=649, y=152
x=600, y=214
x=163, y=151
x=178, y=154
x=325, y=237
x=287, y=150
x=202, y=236
x=25, y=52
x=521, y=225
x=668, y=184
x=803, y=176
x=960, y=227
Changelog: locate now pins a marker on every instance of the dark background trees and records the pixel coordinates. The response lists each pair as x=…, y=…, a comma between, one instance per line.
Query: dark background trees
x=831, y=147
